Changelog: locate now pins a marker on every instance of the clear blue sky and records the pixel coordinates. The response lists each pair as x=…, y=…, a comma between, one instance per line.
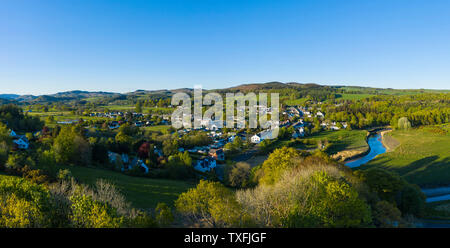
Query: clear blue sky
x=121, y=46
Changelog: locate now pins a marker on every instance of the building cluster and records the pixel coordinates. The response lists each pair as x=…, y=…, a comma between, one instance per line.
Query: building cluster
x=20, y=141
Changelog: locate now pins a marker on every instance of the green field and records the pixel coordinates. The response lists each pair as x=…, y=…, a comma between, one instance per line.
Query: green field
x=423, y=156
x=65, y=116
x=132, y=107
x=296, y=102
x=342, y=140
x=140, y=191
x=355, y=96
x=158, y=128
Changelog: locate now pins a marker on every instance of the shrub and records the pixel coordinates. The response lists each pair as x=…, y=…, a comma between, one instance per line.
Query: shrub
x=24, y=204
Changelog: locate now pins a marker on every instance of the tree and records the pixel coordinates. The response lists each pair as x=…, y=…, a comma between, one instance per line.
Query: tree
x=403, y=123
x=239, y=174
x=277, y=162
x=144, y=150
x=123, y=142
x=87, y=213
x=163, y=214
x=386, y=215
x=390, y=187
x=138, y=107
x=212, y=203
x=5, y=144
x=64, y=146
x=170, y=147
x=70, y=147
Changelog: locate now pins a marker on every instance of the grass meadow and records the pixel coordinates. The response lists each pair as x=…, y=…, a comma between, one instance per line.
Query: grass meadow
x=422, y=156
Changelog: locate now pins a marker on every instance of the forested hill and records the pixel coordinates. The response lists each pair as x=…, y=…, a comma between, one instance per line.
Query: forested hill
x=291, y=90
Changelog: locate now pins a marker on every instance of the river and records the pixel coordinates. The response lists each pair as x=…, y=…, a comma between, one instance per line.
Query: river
x=376, y=148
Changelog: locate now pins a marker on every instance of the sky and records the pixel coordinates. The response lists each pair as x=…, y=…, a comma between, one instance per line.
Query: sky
x=121, y=46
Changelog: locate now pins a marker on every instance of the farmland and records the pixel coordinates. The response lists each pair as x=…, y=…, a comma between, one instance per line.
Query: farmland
x=422, y=157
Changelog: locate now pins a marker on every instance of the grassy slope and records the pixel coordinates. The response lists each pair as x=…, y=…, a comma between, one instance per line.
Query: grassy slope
x=141, y=192
x=343, y=140
x=422, y=157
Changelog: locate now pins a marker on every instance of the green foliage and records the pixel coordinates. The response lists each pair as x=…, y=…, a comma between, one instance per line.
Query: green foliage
x=163, y=214
x=386, y=215
x=138, y=107
x=335, y=204
x=13, y=115
x=23, y=204
x=170, y=147
x=315, y=196
x=212, y=203
x=390, y=187
x=87, y=213
x=64, y=174
x=403, y=123
x=238, y=175
x=179, y=166
x=17, y=161
x=69, y=147
x=5, y=144
x=278, y=161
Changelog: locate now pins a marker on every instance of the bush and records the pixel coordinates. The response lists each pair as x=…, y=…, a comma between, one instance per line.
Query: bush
x=211, y=204
x=87, y=213
x=163, y=214
x=24, y=204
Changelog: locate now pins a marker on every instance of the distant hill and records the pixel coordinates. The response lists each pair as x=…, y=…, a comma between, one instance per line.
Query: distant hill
x=78, y=94
x=270, y=86
x=9, y=96
x=301, y=89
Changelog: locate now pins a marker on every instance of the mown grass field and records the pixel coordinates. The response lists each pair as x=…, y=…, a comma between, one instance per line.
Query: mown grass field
x=355, y=96
x=65, y=116
x=140, y=191
x=342, y=140
x=341, y=144
x=423, y=156
x=296, y=102
x=132, y=108
x=158, y=128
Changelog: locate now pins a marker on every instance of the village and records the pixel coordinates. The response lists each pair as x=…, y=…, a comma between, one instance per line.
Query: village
x=297, y=119
x=206, y=157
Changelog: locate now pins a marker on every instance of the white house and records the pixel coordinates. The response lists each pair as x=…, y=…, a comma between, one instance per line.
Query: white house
x=300, y=132
x=22, y=143
x=320, y=114
x=205, y=164
x=12, y=133
x=255, y=139
x=266, y=134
